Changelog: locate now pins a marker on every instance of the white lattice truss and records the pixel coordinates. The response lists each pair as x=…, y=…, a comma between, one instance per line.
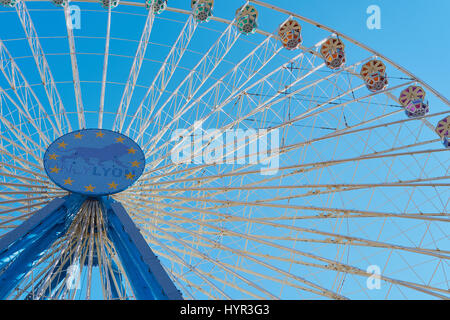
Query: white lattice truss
x=358, y=183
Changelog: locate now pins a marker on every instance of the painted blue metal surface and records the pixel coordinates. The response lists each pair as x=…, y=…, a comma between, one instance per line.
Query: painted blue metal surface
x=144, y=270
x=75, y=168
x=22, y=247
x=94, y=162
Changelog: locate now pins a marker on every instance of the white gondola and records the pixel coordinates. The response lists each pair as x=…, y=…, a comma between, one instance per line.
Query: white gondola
x=158, y=6
x=290, y=34
x=246, y=19
x=9, y=3
x=112, y=3
x=202, y=10
x=374, y=75
x=443, y=130
x=60, y=3
x=413, y=100
x=333, y=53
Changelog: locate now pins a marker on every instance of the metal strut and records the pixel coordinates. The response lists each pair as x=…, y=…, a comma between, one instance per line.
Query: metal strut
x=147, y=277
x=21, y=248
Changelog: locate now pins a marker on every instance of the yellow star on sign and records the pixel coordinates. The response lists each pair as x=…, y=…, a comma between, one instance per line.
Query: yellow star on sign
x=131, y=150
x=129, y=176
x=112, y=185
x=89, y=188
x=55, y=169
x=100, y=134
x=62, y=145
x=52, y=156
x=120, y=139
x=68, y=181
x=78, y=135
x=135, y=164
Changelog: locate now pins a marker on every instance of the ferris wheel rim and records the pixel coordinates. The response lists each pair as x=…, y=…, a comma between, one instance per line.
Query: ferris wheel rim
x=228, y=22
x=273, y=34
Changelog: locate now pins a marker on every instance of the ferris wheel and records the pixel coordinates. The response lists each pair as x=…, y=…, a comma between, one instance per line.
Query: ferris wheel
x=157, y=152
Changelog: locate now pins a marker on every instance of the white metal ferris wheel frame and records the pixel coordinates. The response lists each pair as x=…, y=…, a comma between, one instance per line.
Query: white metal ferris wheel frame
x=55, y=99
x=56, y=102
x=138, y=59
x=304, y=19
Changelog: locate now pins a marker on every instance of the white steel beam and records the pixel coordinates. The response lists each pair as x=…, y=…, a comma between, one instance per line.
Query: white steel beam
x=164, y=74
x=134, y=72
x=237, y=78
x=192, y=83
x=45, y=73
x=105, y=69
x=75, y=73
x=23, y=91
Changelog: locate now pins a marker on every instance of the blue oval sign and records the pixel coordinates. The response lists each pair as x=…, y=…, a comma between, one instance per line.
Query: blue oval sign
x=94, y=162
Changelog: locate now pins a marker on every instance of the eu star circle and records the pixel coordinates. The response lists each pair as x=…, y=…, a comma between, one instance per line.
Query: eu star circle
x=94, y=162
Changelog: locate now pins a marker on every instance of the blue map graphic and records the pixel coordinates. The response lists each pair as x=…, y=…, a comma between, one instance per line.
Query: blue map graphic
x=94, y=162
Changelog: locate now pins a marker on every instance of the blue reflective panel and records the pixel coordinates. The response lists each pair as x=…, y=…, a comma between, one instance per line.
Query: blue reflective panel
x=94, y=162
